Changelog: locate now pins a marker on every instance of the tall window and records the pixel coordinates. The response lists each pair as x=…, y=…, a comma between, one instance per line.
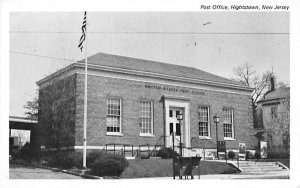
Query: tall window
x=204, y=121
x=274, y=112
x=146, y=117
x=113, y=118
x=228, y=123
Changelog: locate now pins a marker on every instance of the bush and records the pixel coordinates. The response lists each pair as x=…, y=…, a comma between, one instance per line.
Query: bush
x=25, y=153
x=108, y=165
x=257, y=155
x=231, y=155
x=249, y=155
x=66, y=159
x=91, y=157
x=278, y=155
x=166, y=153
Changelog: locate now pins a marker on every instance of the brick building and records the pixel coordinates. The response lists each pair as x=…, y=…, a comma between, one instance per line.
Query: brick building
x=134, y=102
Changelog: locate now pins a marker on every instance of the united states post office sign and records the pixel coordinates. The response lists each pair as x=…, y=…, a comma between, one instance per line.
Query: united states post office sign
x=174, y=89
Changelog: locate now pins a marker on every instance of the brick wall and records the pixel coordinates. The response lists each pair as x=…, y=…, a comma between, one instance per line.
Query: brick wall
x=131, y=92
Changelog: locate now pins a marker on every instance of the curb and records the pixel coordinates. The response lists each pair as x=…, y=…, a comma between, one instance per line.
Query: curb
x=87, y=176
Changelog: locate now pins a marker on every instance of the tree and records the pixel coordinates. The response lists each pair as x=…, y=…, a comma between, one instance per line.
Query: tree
x=260, y=84
x=246, y=75
x=32, y=109
x=280, y=125
x=55, y=110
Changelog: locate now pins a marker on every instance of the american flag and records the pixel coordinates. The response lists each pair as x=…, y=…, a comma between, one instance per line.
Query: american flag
x=83, y=29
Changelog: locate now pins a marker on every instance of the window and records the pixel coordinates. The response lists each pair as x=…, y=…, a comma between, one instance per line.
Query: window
x=228, y=123
x=170, y=113
x=146, y=118
x=274, y=112
x=204, y=121
x=113, y=118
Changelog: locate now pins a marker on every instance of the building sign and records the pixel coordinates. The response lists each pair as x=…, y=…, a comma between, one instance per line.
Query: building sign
x=242, y=150
x=174, y=89
x=221, y=146
x=263, y=149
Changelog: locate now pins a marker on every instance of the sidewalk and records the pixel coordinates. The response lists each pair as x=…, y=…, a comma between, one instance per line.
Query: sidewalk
x=281, y=175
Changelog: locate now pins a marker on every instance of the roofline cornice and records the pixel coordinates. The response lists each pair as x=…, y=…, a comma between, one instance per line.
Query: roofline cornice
x=142, y=73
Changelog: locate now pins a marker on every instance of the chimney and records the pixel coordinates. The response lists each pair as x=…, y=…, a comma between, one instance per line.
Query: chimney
x=272, y=80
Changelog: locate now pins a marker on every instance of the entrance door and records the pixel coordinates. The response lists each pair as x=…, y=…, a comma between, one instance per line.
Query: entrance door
x=175, y=126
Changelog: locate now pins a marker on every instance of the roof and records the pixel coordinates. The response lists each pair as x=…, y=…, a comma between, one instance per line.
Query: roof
x=278, y=93
x=155, y=67
x=21, y=123
x=21, y=119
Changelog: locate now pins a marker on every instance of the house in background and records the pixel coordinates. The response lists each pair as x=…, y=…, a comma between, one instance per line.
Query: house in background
x=275, y=109
x=21, y=131
x=134, y=103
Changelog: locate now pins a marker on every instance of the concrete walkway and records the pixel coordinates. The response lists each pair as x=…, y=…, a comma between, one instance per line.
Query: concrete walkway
x=29, y=172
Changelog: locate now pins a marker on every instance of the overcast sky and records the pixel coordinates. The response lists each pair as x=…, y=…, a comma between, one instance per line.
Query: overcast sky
x=215, y=42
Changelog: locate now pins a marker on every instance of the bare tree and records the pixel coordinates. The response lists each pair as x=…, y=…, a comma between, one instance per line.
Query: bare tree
x=246, y=75
x=32, y=108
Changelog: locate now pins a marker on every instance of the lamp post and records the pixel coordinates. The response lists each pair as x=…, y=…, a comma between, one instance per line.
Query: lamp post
x=216, y=121
x=179, y=117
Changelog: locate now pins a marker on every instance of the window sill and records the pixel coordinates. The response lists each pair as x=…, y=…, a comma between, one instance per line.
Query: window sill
x=113, y=134
x=146, y=135
x=204, y=138
x=228, y=138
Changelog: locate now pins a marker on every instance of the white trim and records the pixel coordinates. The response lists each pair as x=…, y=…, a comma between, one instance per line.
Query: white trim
x=186, y=107
x=207, y=88
x=145, y=74
x=204, y=138
x=229, y=138
x=146, y=135
x=161, y=76
x=114, y=133
x=118, y=147
x=152, y=119
x=120, y=133
x=90, y=147
x=21, y=119
x=232, y=125
x=208, y=121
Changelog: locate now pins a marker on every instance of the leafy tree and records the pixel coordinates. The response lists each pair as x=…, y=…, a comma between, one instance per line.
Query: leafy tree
x=55, y=110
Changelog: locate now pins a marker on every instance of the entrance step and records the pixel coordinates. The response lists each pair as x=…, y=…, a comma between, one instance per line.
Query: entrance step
x=252, y=167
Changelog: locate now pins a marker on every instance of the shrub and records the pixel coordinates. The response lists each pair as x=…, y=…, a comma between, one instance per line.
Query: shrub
x=25, y=152
x=249, y=155
x=66, y=159
x=108, y=165
x=278, y=155
x=166, y=153
x=231, y=155
x=91, y=157
x=257, y=155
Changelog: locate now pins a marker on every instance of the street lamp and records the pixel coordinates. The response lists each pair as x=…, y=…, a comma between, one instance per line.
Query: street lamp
x=216, y=121
x=179, y=117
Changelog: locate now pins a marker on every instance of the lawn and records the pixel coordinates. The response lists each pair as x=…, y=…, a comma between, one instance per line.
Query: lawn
x=140, y=168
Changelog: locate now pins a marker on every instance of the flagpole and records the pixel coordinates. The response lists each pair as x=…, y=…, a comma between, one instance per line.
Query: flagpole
x=85, y=102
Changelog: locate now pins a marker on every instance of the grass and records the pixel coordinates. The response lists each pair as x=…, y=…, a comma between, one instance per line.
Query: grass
x=140, y=168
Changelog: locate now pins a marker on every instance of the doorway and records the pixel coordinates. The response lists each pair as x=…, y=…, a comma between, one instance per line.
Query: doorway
x=175, y=126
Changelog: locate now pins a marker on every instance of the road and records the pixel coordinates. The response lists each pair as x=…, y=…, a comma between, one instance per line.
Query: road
x=29, y=172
